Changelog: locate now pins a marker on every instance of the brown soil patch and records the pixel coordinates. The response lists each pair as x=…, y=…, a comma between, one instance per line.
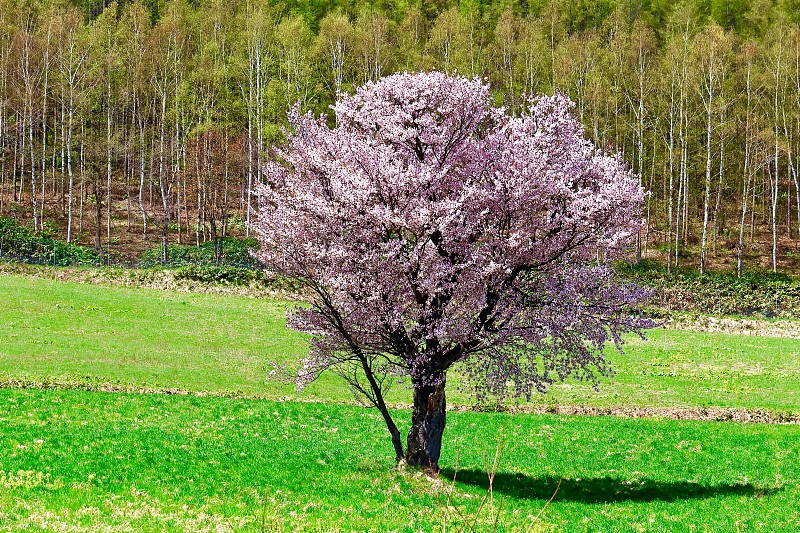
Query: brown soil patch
x=706, y=414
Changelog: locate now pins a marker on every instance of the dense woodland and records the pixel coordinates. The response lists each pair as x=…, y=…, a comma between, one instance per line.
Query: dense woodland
x=148, y=122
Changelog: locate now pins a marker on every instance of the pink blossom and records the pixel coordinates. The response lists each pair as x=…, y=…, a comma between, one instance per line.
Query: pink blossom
x=434, y=228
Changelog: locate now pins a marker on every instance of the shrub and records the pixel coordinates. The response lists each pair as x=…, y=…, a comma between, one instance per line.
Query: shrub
x=224, y=251
x=757, y=293
x=220, y=274
x=227, y=275
x=21, y=244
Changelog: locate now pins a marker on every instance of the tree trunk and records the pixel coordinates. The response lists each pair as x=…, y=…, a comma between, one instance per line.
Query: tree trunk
x=424, y=442
x=746, y=171
x=69, y=167
x=2, y=150
x=98, y=243
x=108, y=165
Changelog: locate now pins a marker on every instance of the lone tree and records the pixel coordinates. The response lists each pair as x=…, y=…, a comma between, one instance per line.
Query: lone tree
x=433, y=228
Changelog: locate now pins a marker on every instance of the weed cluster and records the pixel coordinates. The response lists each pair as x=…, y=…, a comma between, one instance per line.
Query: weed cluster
x=220, y=252
x=21, y=244
x=758, y=293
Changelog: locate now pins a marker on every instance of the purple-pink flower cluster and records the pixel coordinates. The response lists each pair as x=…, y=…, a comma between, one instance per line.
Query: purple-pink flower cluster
x=433, y=228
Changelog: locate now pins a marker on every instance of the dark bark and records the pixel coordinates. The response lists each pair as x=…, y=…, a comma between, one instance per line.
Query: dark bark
x=377, y=400
x=424, y=443
x=375, y=392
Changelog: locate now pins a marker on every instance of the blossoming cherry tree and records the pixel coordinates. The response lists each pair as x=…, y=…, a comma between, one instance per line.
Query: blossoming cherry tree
x=432, y=229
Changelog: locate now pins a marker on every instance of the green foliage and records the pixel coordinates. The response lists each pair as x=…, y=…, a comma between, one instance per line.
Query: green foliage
x=730, y=14
x=220, y=274
x=19, y=243
x=223, y=261
x=756, y=293
x=224, y=251
x=231, y=275
x=587, y=14
x=226, y=261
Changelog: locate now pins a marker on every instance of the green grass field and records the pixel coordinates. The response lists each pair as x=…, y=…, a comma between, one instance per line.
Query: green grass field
x=74, y=460
x=88, y=461
x=79, y=333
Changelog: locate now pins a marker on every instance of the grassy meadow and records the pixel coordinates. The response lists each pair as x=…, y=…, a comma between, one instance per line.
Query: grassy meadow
x=73, y=333
x=76, y=460
x=89, y=461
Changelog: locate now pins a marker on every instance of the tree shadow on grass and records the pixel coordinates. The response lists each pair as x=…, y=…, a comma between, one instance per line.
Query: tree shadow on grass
x=601, y=490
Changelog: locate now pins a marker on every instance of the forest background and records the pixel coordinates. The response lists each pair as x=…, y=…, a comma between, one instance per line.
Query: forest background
x=128, y=124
